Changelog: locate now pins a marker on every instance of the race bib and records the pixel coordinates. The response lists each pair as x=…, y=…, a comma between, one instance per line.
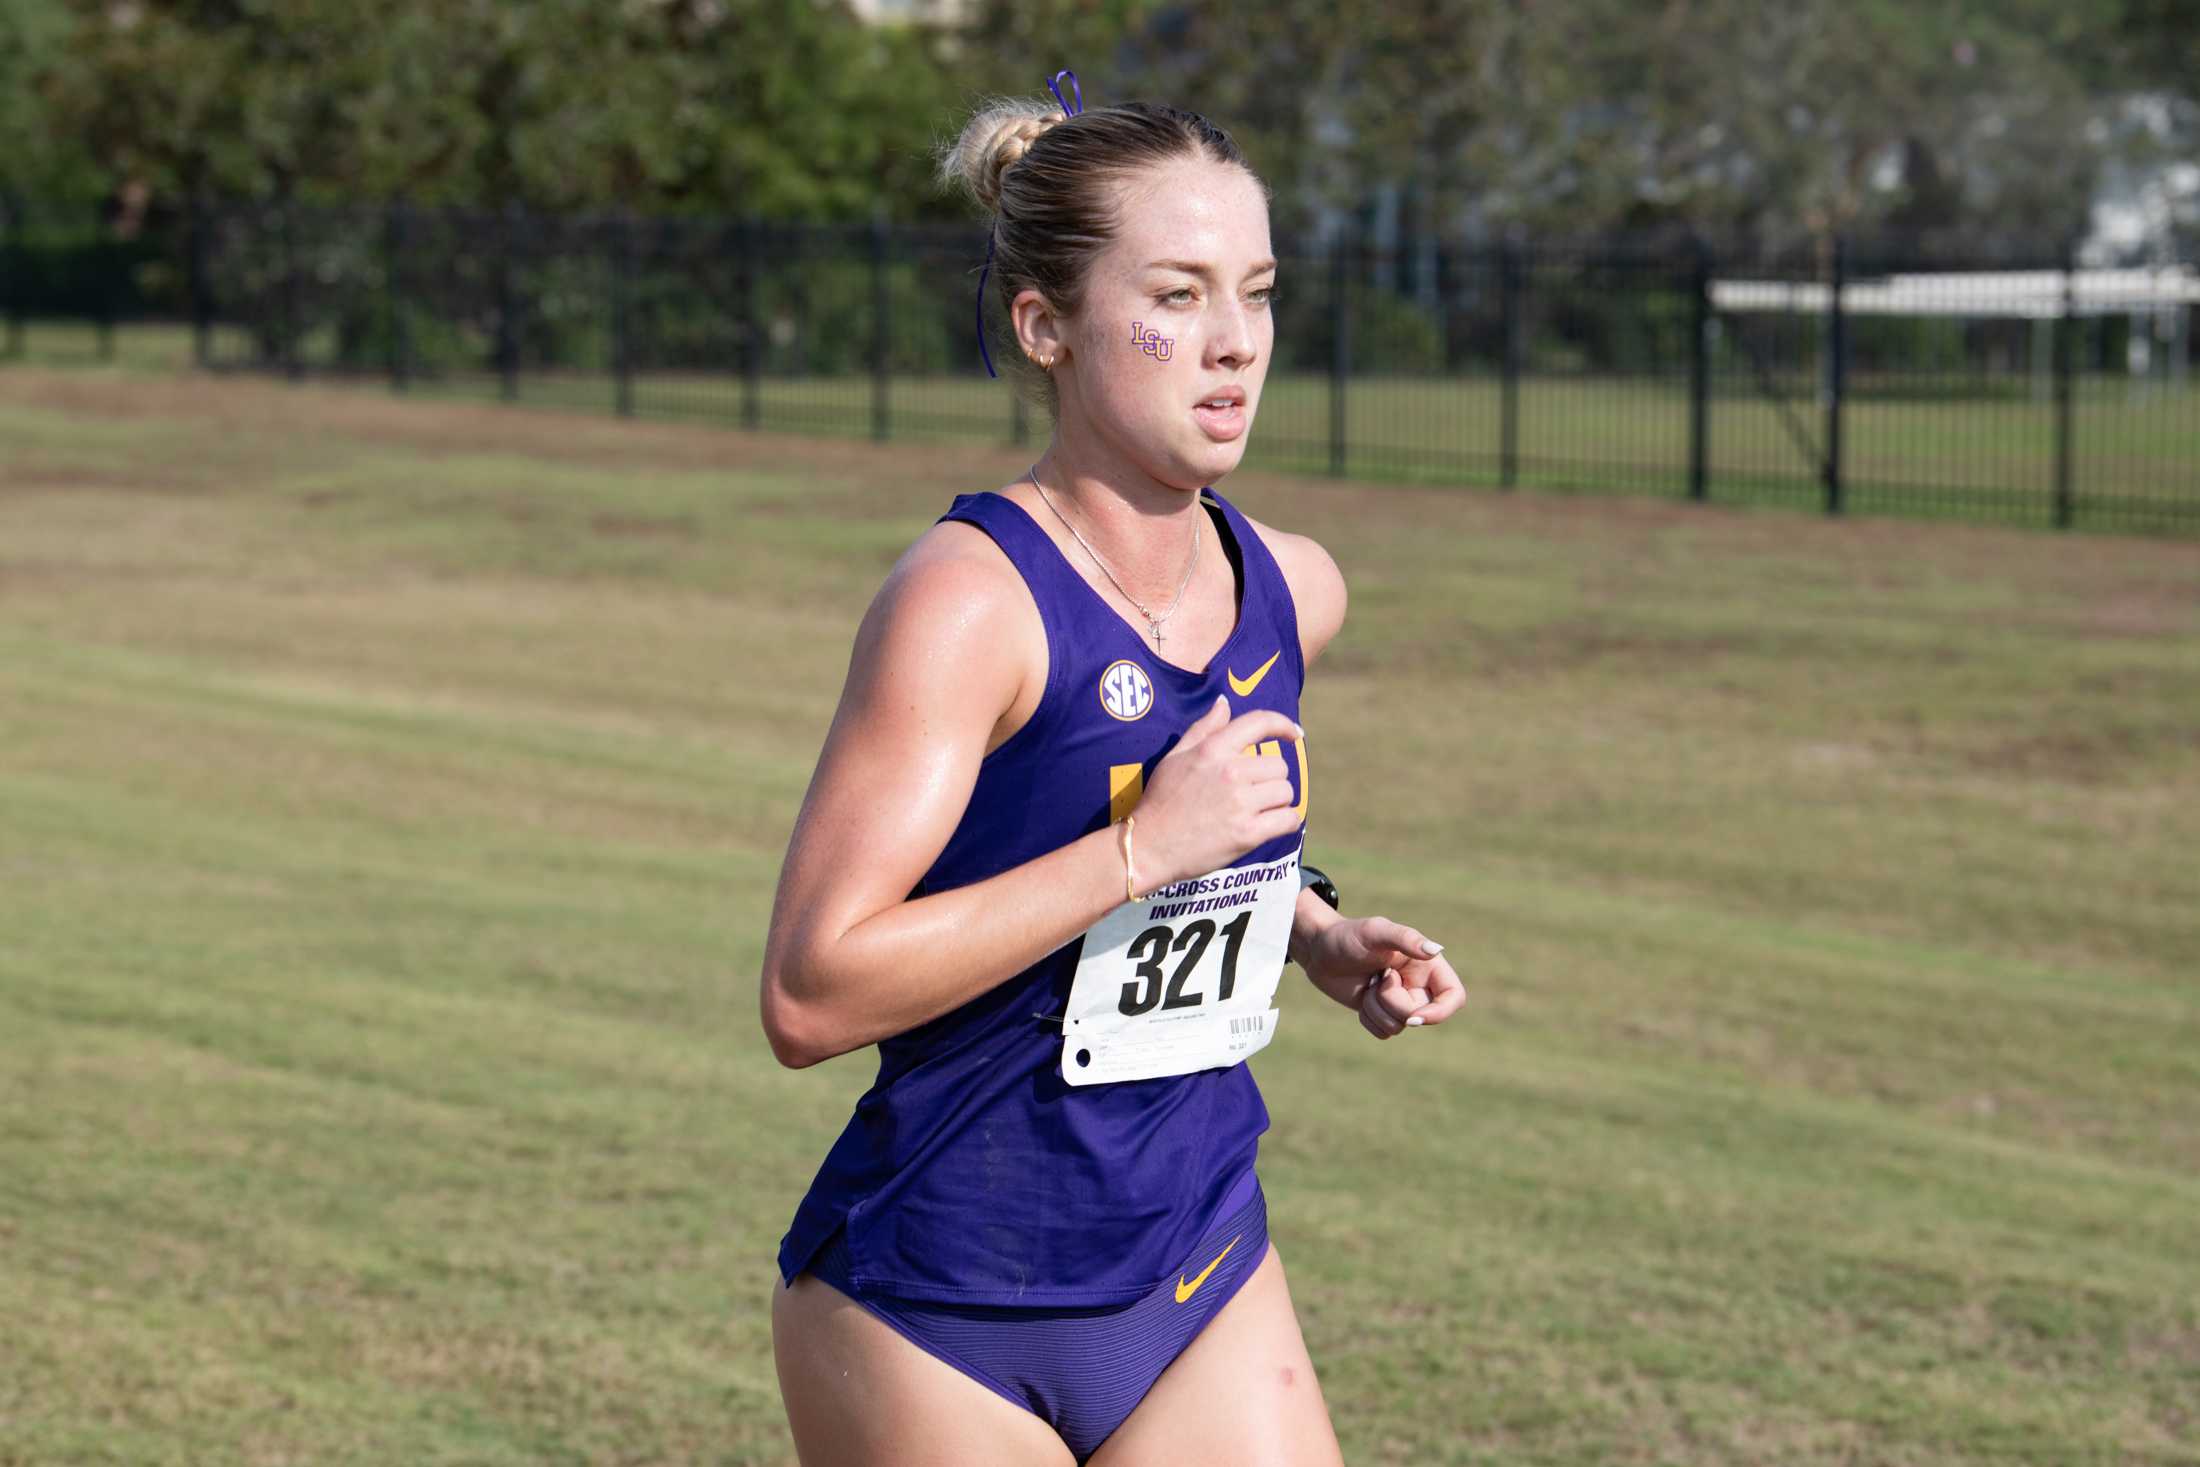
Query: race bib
x=1181, y=979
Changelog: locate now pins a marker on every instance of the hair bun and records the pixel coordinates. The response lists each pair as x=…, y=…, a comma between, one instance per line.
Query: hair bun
x=995, y=140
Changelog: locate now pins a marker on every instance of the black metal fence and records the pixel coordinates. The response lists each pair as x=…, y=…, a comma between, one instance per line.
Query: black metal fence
x=1854, y=376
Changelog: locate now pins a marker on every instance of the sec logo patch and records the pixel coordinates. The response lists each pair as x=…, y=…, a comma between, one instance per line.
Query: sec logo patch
x=1125, y=691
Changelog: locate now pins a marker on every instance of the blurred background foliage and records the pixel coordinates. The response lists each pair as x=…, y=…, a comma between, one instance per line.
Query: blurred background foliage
x=1774, y=124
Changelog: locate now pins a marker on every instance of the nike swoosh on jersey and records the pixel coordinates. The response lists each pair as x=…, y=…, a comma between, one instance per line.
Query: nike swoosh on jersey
x=1242, y=686
x=1185, y=1291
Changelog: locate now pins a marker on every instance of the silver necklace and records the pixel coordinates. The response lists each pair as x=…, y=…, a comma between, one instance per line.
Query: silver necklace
x=1152, y=621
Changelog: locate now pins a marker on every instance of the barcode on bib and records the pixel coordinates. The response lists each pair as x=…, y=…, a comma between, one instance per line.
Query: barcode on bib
x=1251, y=1024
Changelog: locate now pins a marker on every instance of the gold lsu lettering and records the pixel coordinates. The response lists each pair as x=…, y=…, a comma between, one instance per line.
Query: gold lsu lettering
x=1127, y=782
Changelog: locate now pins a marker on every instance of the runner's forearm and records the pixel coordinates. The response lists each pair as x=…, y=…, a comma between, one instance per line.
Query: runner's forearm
x=920, y=959
x=1309, y=920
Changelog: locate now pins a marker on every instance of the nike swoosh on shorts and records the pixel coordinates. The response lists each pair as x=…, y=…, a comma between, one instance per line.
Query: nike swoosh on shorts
x=1185, y=1291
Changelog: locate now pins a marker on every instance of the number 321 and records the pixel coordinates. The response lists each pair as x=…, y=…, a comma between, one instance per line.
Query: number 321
x=1153, y=945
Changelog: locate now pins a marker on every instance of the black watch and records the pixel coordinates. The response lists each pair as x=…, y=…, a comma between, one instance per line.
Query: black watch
x=1318, y=879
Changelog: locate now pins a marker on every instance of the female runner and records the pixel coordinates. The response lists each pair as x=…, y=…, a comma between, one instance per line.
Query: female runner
x=1049, y=865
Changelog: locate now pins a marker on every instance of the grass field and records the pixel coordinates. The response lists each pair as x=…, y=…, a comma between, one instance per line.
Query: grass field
x=2135, y=459
x=391, y=796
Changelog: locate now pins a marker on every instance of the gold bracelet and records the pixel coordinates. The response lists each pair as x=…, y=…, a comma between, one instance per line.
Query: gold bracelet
x=1130, y=892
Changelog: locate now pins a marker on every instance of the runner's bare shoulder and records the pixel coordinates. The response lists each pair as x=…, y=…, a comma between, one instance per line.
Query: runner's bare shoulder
x=953, y=627
x=1317, y=586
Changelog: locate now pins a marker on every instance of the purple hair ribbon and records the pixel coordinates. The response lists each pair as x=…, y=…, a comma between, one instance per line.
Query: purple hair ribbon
x=981, y=303
x=1054, y=85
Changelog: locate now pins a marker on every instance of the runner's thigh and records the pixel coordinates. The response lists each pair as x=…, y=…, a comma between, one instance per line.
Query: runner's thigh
x=858, y=1394
x=1243, y=1393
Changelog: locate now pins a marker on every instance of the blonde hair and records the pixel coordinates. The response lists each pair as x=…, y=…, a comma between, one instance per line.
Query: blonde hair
x=994, y=141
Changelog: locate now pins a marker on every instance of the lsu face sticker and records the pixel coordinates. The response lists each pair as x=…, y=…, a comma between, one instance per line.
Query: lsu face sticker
x=1160, y=348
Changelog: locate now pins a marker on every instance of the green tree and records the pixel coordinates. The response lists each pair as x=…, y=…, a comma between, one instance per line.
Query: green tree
x=39, y=159
x=1780, y=123
x=786, y=107
x=1800, y=119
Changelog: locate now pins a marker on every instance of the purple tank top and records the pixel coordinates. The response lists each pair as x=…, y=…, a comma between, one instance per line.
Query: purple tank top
x=971, y=1170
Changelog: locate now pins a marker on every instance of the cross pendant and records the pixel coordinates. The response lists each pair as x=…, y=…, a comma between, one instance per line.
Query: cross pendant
x=1157, y=634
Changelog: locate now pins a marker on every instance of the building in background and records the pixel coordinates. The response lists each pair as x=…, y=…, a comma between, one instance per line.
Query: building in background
x=909, y=12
